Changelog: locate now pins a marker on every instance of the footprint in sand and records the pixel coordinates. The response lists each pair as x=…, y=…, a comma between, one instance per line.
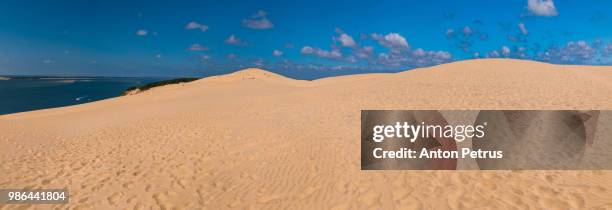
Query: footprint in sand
x=114, y=198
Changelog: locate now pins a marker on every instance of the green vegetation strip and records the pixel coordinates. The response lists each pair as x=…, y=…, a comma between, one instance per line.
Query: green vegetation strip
x=160, y=83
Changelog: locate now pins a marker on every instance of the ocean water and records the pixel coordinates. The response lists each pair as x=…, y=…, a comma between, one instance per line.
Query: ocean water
x=32, y=93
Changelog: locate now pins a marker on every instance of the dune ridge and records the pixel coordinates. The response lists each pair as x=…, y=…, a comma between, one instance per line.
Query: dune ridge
x=258, y=140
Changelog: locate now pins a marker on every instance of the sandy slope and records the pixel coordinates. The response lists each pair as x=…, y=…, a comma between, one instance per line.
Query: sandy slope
x=254, y=139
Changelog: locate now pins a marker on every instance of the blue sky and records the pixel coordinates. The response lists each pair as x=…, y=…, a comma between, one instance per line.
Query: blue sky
x=302, y=39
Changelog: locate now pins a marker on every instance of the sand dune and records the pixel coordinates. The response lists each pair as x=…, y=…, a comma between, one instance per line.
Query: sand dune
x=257, y=140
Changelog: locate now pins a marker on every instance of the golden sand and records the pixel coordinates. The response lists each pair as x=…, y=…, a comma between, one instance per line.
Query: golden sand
x=258, y=140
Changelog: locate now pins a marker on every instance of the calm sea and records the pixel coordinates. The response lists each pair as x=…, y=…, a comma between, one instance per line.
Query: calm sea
x=32, y=93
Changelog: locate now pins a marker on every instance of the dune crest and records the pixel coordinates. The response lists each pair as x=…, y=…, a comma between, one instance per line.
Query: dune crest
x=251, y=74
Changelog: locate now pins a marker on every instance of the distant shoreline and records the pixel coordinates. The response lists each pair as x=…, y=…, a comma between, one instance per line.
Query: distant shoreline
x=5, y=78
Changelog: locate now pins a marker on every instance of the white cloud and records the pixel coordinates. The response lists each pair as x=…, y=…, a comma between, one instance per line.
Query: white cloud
x=195, y=25
x=542, y=7
x=277, y=53
x=392, y=41
x=520, y=52
x=233, y=40
x=493, y=54
x=572, y=52
x=399, y=54
x=142, y=32
x=330, y=54
x=428, y=58
x=608, y=49
x=415, y=58
x=333, y=54
x=364, y=52
x=523, y=29
x=505, y=51
x=258, y=21
x=450, y=32
x=197, y=47
x=346, y=40
x=418, y=52
x=307, y=50
x=391, y=59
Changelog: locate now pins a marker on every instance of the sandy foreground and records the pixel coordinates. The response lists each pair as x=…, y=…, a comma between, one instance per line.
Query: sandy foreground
x=257, y=140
